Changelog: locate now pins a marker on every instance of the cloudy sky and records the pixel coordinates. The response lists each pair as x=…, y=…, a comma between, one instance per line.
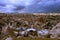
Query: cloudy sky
x=29, y=6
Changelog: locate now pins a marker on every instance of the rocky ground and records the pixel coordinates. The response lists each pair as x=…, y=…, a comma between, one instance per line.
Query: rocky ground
x=39, y=21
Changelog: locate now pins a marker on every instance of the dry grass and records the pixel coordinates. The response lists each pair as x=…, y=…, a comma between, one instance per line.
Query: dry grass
x=29, y=18
x=27, y=38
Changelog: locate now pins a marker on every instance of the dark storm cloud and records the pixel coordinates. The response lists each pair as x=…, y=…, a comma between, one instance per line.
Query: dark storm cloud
x=10, y=6
x=19, y=8
x=2, y=4
x=53, y=7
x=44, y=6
x=30, y=6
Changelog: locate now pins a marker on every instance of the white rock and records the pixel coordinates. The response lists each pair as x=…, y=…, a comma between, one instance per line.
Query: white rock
x=15, y=32
x=43, y=32
x=31, y=29
x=23, y=32
x=9, y=38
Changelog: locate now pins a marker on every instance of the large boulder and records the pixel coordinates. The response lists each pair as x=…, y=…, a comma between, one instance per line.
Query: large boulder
x=55, y=31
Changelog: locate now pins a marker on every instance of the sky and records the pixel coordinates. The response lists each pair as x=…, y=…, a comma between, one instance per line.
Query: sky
x=30, y=6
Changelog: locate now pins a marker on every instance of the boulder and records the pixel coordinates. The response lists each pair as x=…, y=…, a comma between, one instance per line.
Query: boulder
x=55, y=31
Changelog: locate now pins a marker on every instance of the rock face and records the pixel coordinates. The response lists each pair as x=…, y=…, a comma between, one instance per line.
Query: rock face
x=55, y=31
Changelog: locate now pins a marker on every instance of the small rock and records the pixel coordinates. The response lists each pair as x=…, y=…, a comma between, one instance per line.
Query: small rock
x=9, y=38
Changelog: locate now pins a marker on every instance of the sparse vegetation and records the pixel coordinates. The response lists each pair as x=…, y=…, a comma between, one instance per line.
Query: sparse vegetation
x=7, y=18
